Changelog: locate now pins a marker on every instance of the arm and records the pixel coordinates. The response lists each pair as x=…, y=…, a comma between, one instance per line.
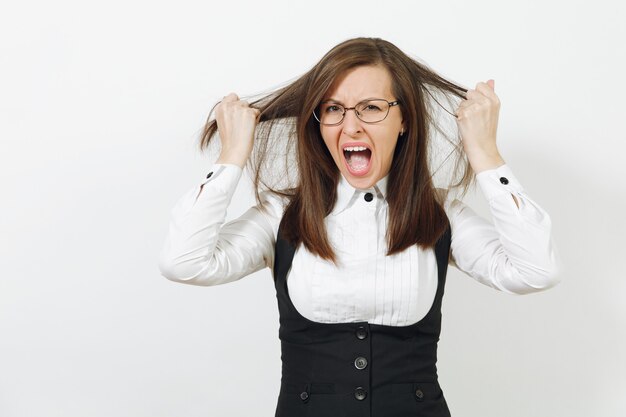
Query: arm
x=516, y=254
x=200, y=249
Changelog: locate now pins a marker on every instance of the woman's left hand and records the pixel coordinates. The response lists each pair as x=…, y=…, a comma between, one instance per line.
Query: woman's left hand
x=477, y=119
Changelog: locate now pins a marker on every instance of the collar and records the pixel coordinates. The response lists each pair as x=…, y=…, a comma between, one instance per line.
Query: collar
x=347, y=194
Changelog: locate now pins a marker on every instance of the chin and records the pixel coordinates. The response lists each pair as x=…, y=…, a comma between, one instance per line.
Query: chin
x=362, y=182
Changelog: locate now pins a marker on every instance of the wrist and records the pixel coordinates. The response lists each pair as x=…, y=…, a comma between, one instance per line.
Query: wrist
x=237, y=157
x=484, y=162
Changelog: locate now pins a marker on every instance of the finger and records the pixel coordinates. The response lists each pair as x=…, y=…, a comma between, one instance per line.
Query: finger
x=478, y=96
x=462, y=109
x=485, y=90
x=466, y=106
x=231, y=97
x=473, y=94
x=473, y=97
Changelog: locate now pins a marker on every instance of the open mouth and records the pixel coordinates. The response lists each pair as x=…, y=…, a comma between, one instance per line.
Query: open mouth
x=358, y=158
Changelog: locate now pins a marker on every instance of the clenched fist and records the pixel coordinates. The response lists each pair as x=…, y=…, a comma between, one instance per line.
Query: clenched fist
x=477, y=119
x=236, y=123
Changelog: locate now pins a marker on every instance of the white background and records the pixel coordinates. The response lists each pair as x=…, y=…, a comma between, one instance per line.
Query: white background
x=100, y=109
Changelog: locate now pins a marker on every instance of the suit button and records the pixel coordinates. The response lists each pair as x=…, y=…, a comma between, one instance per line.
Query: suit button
x=360, y=393
x=361, y=333
x=209, y=174
x=304, y=395
x=368, y=197
x=419, y=394
x=504, y=180
x=360, y=362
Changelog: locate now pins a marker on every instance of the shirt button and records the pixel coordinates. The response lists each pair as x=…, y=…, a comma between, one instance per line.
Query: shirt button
x=504, y=180
x=368, y=197
x=361, y=333
x=209, y=174
x=360, y=393
x=304, y=395
x=419, y=394
x=360, y=362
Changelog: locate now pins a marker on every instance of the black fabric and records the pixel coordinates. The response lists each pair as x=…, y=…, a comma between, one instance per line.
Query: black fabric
x=358, y=369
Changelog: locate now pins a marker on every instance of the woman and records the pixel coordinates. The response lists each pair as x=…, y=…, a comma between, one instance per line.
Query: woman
x=360, y=242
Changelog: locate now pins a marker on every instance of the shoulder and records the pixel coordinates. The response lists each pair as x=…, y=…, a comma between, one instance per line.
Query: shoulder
x=272, y=207
x=450, y=203
x=444, y=197
x=273, y=201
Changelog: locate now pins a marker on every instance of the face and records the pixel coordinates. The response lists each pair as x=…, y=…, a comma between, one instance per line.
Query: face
x=363, y=168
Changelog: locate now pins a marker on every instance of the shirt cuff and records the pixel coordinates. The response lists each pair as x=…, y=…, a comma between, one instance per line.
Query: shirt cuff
x=498, y=181
x=221, y=178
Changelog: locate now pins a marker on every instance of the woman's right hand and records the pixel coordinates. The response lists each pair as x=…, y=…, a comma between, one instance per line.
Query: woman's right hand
x=236, y=123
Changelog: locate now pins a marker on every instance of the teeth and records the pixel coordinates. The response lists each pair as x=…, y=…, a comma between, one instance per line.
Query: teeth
x=354, y=148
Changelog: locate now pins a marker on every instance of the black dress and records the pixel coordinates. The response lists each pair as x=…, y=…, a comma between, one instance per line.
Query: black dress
x=358, y=369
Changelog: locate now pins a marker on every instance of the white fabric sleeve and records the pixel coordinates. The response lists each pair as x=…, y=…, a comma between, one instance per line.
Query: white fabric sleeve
x=200, y=249
x=516, y=254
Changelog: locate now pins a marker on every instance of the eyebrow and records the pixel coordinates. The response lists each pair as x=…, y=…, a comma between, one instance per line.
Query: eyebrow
x=339, y=102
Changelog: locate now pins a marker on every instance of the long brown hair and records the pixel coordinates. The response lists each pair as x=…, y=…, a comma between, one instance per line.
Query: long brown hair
x=416, y=214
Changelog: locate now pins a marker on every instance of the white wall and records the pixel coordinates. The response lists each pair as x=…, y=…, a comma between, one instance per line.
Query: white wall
x=100, y=108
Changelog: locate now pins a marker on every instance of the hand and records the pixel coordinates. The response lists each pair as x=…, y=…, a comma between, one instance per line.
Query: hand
x=477, y=119
x=236, y=123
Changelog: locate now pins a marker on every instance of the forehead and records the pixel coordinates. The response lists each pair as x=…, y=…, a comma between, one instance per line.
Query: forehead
x=361, y=83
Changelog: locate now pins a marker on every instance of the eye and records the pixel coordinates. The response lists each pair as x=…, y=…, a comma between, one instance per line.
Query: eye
x=332, y=109
x=371, y=107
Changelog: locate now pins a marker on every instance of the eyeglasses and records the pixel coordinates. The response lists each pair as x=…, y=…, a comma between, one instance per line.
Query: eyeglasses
x=330, y=113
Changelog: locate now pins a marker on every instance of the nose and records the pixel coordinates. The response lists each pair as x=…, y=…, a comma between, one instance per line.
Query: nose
x=351, y=123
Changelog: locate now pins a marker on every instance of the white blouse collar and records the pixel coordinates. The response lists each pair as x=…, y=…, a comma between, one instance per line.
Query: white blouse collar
x=347, y=194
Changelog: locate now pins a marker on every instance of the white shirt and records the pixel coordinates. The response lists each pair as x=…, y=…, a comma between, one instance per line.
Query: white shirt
x=516, y=254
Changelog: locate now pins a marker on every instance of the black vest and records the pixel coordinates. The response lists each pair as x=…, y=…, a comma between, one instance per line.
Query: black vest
x=358, y=369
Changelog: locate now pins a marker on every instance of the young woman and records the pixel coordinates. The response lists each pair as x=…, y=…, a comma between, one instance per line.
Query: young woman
x=360, y=240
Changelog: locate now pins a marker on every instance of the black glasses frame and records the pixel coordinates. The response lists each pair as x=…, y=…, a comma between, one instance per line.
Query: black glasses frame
x=345, y=109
